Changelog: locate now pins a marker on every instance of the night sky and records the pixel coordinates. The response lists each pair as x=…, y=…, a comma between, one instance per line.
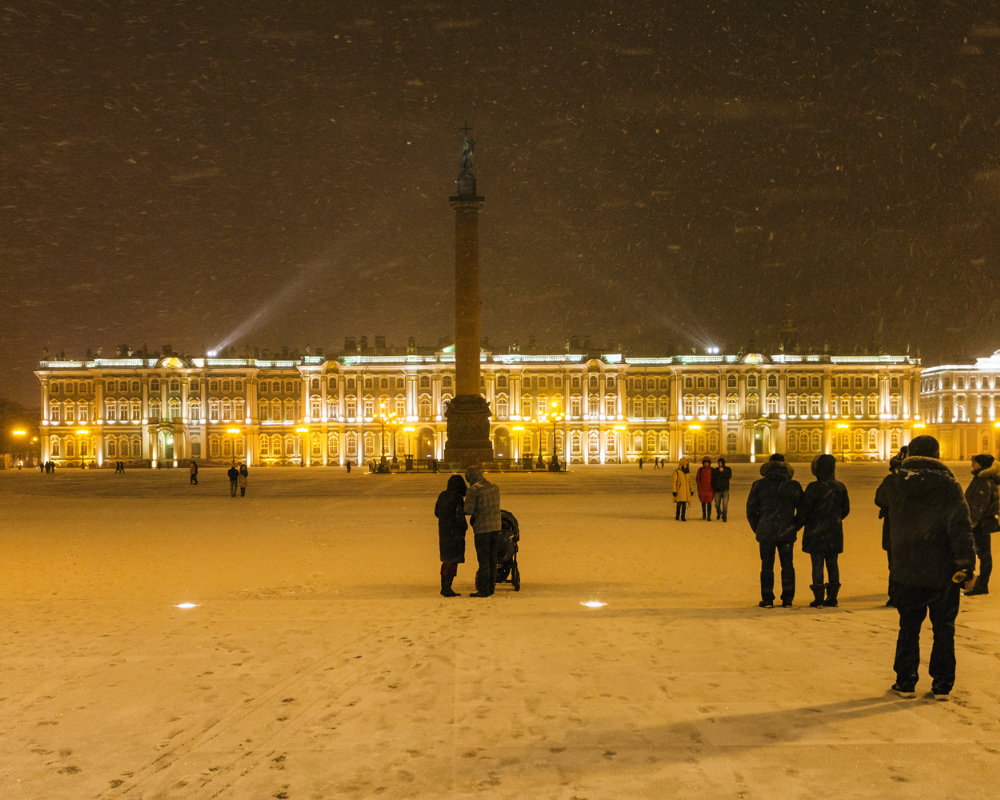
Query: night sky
x=653, y=172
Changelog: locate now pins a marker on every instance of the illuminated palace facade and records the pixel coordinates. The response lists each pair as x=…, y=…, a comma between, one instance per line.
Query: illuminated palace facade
x=589, y=407
x=961, y=405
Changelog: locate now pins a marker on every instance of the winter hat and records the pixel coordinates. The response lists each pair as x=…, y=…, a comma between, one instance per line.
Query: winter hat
x=824, y=466
x=722, y=460
x=925, y=446
x=776, y=457
x=706, y=460
x=984, y=460
x=473, y=475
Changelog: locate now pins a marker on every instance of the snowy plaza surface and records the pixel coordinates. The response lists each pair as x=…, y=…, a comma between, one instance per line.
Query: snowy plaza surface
x=321, y=662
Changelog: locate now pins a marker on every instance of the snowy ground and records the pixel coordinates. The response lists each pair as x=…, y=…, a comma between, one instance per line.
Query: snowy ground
x=322, y=663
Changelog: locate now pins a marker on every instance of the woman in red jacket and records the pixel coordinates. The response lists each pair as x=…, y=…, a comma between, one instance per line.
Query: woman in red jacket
x=704, y=482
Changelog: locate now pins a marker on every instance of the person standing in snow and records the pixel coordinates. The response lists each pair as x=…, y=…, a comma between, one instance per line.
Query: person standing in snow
x=194, y=473
x=933, y=555
x=244, y=474
x=703, y=480
x=683, y=489
x=821, y=512
x=771, y=507
x=883, y=514
x=721, y=476
x=450, y=513
x=234, y=476
x=984, y=506
x=482, y=507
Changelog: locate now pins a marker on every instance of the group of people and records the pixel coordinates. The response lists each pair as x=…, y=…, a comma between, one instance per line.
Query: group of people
x=238, y=477
x=47, y=467
x=932, y=533
x=480, y=502
x=711, y=483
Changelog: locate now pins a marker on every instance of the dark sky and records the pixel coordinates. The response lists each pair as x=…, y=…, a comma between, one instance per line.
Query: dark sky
x=652, y=172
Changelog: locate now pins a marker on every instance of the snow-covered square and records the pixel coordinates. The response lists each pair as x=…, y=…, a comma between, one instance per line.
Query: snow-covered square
x=319, y=660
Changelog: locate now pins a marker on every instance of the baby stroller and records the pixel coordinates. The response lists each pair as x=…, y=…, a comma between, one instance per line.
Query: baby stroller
x=507, y=550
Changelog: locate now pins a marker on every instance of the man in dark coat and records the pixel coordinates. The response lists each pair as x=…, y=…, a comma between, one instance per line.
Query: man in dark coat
x=984, y=506
x=234, y=476
x=823, y=507
x=450, y=512
x=771, y=513
x=883, y=514
x=933, y=555
x=721, y=476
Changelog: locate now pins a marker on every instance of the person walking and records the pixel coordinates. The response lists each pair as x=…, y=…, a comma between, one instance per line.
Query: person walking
x=482, y=507
x=771, y=507
x=450, y=513
x=933, y=555
x=821, y=512
x=721, y=476
x=244, y=474
x=348, y=466
x=703, y=480
x=683, y=489
x=640, y=463
x=234, y=476
x=984, y=506
x=193, y=469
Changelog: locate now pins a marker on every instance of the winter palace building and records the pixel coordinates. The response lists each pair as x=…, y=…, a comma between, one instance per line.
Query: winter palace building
x=591, y=407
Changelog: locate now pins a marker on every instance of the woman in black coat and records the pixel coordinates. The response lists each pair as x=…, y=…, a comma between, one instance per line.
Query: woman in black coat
x=823, y=507
x=450, y=511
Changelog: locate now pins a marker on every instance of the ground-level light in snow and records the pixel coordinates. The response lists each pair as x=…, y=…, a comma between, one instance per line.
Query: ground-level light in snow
x=594, y=604
x=186, y=606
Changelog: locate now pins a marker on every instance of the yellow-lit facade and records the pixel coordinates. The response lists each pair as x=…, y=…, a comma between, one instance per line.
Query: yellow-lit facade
x=591, y=408
x=961, y=406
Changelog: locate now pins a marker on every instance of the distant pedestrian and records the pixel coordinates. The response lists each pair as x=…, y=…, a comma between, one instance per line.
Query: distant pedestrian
x=234, y=476
x=703, y=480
x=721, y=476
x=244, y=474
x=771, y=507
x=640, y=463
x=348, y=466
x=450, y=513
x=823, y=507
x=193, y=469
x=933, y=555
x=482, y=506
x=984, y=506
x=683, y=488
x=434, y=465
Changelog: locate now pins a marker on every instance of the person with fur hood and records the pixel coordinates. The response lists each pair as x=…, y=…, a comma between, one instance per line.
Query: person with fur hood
x=450, y=513
x=683, y=489
x=771, y=507
x=933, y=556
x=984, y=506
x=703, y=480
x=821, y=512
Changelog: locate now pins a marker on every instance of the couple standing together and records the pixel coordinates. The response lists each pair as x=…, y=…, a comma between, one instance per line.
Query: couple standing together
x=712, y=484
x=481, y=503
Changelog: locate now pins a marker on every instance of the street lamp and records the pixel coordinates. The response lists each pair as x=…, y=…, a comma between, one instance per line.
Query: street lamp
x=233, y=432
x=20, y=434
x=620, y=429
x=81, y=432
x=843, y=450
x=384, y=418
x=556, y=417
x=305, y=445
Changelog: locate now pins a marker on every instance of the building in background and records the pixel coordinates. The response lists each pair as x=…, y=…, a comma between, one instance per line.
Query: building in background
x=586, y=406
x=961, y=406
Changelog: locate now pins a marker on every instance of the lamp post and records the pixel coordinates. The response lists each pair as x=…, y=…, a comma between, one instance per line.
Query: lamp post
x=19, y=437
x=620, y=430
x=555, y=417
x=843, y=450
x=305, y=445
x=233, y=433
x=692, y=428
x=383, y=419
x=81, y=432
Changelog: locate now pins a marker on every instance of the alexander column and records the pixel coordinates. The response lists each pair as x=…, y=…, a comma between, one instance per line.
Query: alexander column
x=468, y=413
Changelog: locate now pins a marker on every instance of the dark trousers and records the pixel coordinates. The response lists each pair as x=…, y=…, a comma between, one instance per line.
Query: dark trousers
x=194, y=479
x=722, y=505
x=706, y=511
x=681, y=511
x=232, y=488
x=784, y=552
x=913, y=603
x=985, y=557
x=486, y=551
x=832, y=569
x=243, y=491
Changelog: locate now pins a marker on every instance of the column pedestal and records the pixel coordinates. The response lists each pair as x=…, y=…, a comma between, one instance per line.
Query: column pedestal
x=468, y=431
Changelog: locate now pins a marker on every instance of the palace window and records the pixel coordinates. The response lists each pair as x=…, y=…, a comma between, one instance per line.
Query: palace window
x=369, y=407
x=350, y=384
x=109, y=409
x=289, y=410
x=123, y=410
x=213, y=410
x=526, y=382
x=732, y=407
x=859, y=406
x=502, y=407
x=425, y=382
x=558, y=382
x=174, y=408
x=238, y=412
x=136, y=408
x=400, y=406
x=425, y=407
x=314, y=384
x=175, y=386
x=872, y=440
x=154, y=409
x=650, y=407
x=333, y=446
x=731, y=382
x=772, y=381
x=751, y=381
x=730, y=442
x=194, y=411
x=664, y=408
x=791, y=382
x=873, y=406
x=543, y=382
x=792, y=405
x=594, y=443
x=213, y=386
x=772, y=405
x=501, y=381
x=689, y=382
x=701, y=407
x=576, y=381
x=593, y=381
x=713, y=406
x=331, y=409
x=352, y=408
x=872, y=383
x=610, y=405
x=701, y=382
x=575, y=405
x=383, y=383
x=316, y=407
x=610, y=382
x=689, y=406
x=752, y=406
x=331, y=384
x=213, y=446
x=265, y=449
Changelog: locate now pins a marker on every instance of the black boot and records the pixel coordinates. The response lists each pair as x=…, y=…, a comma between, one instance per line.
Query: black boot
x=831, y=594
x=819, y=589
x=446, y=586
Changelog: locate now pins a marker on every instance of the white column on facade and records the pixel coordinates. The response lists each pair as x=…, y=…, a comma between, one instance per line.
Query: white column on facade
x=306, y=407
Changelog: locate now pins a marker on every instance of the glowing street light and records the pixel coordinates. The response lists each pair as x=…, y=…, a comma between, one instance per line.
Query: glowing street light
x=843, y=450
x=384, y=418
x=234, y=432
